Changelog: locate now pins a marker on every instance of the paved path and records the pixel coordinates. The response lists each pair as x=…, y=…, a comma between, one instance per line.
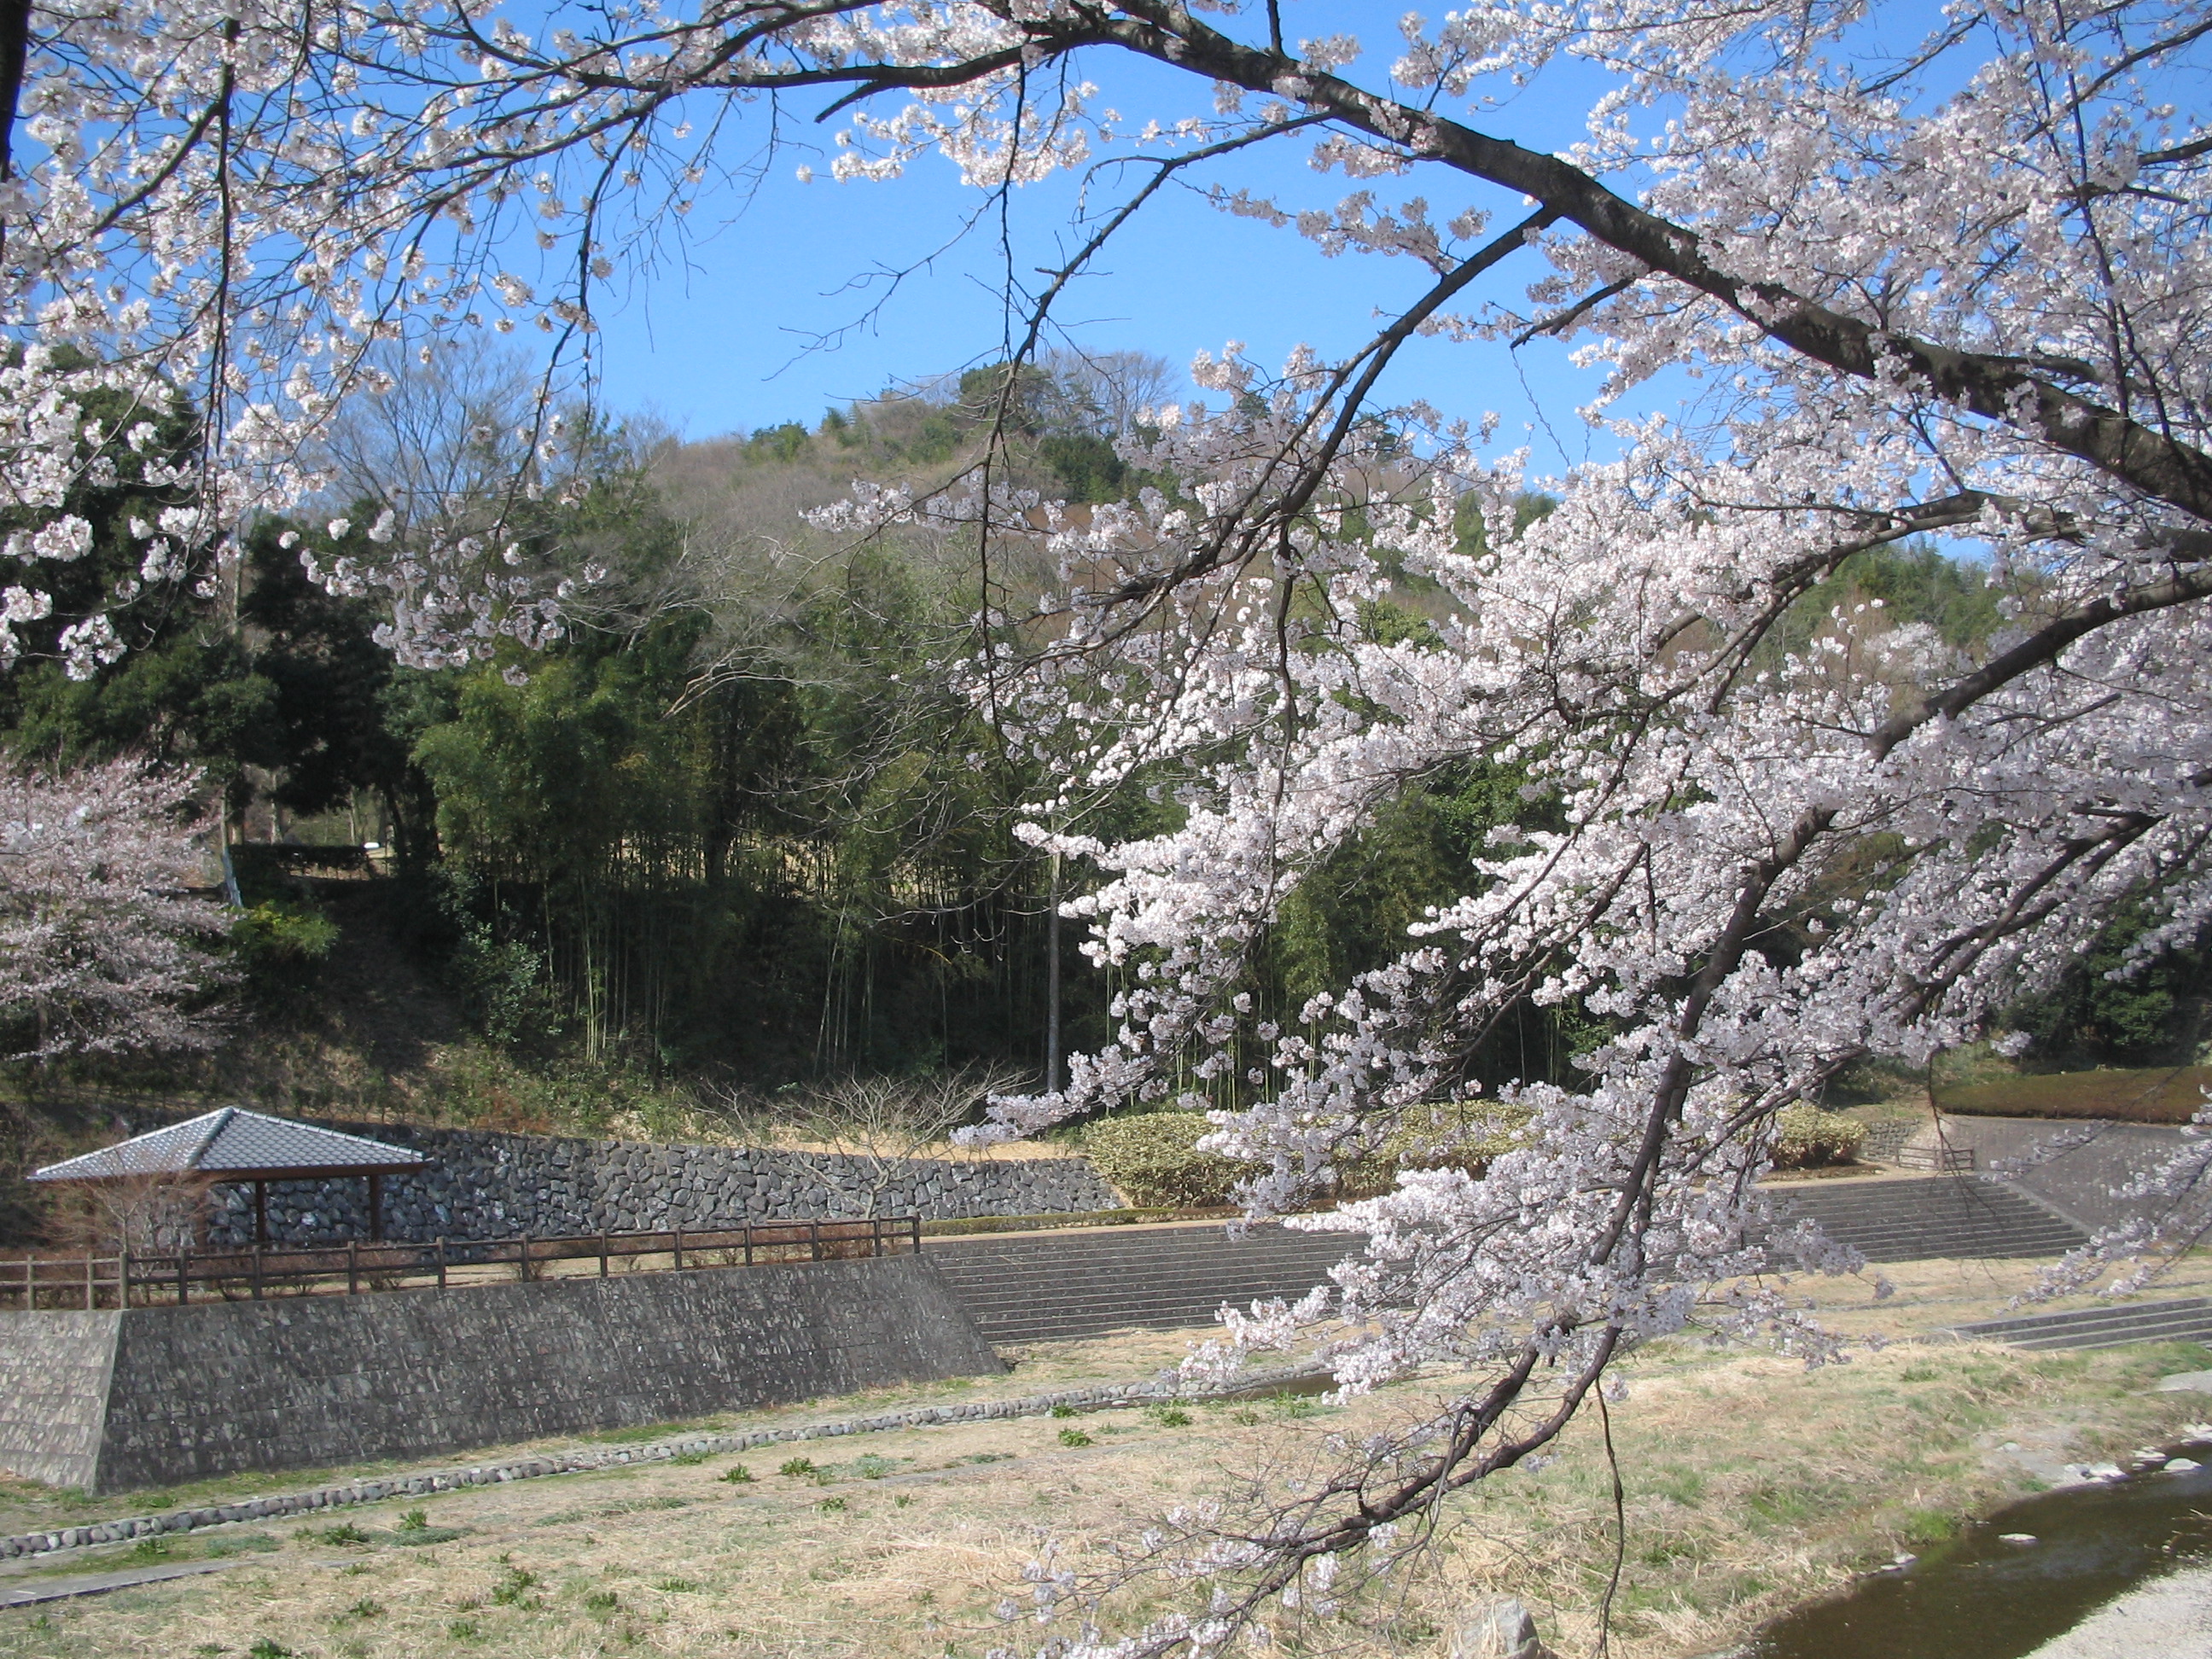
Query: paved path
x=2168, y=1618
x=32, y=1591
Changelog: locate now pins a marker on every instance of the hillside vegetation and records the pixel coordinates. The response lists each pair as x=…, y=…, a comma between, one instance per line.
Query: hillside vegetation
x=740, y=831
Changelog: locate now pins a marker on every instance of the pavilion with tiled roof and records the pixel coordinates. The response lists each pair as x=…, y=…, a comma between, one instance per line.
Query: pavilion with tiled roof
x=234, y=1145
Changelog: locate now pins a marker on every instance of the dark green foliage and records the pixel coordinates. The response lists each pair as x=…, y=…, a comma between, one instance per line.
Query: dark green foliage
x=759, y=835
x=1350, y=914
x=2154, y=1015
x=1917, y=583
x=1907, y=584
x=333, y=734
x=1087, y=467
x=783, y=443
x=1152, y=1158
x=281, y=943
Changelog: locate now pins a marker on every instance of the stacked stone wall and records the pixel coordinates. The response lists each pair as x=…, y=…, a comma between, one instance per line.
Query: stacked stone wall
x=485, y=1185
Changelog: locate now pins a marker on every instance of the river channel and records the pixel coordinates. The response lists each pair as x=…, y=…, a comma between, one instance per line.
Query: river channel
x=1988, y=1594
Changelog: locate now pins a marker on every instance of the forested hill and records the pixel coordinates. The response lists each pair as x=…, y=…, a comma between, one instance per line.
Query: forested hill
x=737, y=825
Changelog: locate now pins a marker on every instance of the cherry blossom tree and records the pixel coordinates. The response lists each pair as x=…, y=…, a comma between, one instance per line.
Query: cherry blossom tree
x=1926, y=275
x=101, y=950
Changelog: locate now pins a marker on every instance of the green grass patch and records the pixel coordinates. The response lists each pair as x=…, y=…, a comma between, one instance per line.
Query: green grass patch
x=244, y=1543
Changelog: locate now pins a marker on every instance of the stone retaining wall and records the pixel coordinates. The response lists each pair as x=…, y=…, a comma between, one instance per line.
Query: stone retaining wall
x=186, y=1394
x=485, y=1185
x=1886, y=1140
x=1103, y=1396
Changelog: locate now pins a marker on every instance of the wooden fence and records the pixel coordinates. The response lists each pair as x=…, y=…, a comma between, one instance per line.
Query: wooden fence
x=136, y=1280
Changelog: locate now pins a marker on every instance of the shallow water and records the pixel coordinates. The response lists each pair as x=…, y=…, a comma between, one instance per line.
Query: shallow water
x=1318, y=1383
x=1978, y=1597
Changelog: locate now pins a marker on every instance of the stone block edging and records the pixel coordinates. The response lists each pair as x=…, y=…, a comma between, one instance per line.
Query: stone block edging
x=1104, y=1396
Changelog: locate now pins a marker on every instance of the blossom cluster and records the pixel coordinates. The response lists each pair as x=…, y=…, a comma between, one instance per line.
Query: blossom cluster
x=102, y=944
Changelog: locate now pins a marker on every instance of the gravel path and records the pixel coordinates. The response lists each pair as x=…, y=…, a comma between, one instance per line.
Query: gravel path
x=2170, y=1618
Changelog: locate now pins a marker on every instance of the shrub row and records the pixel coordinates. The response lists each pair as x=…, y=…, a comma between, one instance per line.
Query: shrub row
x=1153, y=1157
x=2165, y=1094
x=1806, y=1137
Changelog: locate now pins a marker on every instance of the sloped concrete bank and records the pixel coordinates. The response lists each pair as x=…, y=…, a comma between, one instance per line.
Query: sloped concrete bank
x=2077, y=1167
x=157, y=1396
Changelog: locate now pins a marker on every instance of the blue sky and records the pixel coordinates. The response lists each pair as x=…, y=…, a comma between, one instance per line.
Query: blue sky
x=716, y=338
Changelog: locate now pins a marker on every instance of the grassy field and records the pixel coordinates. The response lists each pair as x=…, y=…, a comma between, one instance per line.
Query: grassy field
x=1752, y=1482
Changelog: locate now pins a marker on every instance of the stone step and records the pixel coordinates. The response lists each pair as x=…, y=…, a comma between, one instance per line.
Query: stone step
x=1024, y=1278
x=2191, y=1330
x=2119, y=1313
x=1135, y=1246
x=1181, y=1287
x=1038, y=1287
x=1069, y=1285
x=2180, y=1319
x=1916, y=1220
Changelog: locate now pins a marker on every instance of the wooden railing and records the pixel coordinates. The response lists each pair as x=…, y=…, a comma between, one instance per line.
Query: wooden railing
x=144, y=1280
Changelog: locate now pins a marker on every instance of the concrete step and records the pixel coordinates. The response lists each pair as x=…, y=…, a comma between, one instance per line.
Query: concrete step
x=1058, y=1285
x=2181, y=1319
x=2199, y=1331
x=2118, y=1313
x=1038, y=1287
x=1940, y=1216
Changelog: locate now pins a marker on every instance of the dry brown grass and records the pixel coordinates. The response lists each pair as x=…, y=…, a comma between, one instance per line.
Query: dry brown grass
x=1752, y=1483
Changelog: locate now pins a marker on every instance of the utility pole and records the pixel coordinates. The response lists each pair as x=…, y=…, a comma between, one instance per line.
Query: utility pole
x=1052, y=983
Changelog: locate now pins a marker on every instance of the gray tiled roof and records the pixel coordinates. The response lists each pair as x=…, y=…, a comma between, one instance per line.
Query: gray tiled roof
x=236, y=1143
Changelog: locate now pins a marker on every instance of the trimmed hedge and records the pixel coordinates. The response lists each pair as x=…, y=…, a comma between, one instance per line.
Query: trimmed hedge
x=1459, y=1134
x=2162, y=1094
x=1806, y=1137
x=1154, y=1158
